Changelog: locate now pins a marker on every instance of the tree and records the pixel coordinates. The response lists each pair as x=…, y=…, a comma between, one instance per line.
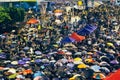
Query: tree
x=16, y=14
x=4, y=16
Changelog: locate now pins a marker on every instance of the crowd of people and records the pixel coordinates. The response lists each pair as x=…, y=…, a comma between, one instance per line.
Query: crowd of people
x=35, y=52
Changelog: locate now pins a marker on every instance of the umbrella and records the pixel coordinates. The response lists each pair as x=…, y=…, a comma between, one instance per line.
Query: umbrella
x=114, y=62
x=80, y=66
x=21, y=62
x=12, y=76
x=26, y=48
x=110, y=44
x=104, y=58
x=37, y=78
x=77, y=77
x=26, y=59
x=28, y=71
x=14, y=62
x=38, y=73
x=89, y=60
x=32, y=21
x=96, y=68
x=105, y=70
x=38, y=52
x=99, y=76
x=77, y=60
x=103, y=63
x=68, y=53
x=70, y=45
x=38, y=60
x=12, y=70
x=58, y=12
x=71, y=65
x=78, y=53
x=64, y=60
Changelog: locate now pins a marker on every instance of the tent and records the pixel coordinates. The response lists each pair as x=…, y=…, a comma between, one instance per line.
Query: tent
x=32, y=21
x=77, y=37
x=86, y=30
x=114, y=76
x=67, y=40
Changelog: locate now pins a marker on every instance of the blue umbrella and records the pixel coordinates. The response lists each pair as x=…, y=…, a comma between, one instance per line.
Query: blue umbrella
x=38, y=73
x=96, y=68
x=2, y=56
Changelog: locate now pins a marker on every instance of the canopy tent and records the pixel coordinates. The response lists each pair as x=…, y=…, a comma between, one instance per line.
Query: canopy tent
x=32, y=21
x=86, y=30
x=67, y=40
x=114, y=76
x=77, y=37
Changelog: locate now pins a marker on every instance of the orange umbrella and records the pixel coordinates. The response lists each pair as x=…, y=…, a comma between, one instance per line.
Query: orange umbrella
x=28, y=71
x=77, y=37
x=32, y=21
x=58, y=11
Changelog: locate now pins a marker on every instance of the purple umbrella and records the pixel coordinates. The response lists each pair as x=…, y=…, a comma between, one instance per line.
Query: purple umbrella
x=114, y=62
x=25, y=59
x=38, y=60
x=21, y=62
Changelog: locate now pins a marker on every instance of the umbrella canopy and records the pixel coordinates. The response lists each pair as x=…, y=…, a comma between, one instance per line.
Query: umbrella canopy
x=70, y=45
x=68, y=53
x=77, y=60
x=78, y=53
x=28, y=71
x=80, y=66
x=77, y=37
x=96, y=68
x=114, y=62
x=14, y=62
x=99, y=76
x=38, y=73
x=58, y=11
x=38, y=52
x=37, y=78
x=32, y=21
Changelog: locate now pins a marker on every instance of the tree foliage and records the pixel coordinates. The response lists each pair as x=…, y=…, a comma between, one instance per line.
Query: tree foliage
x=4, y=16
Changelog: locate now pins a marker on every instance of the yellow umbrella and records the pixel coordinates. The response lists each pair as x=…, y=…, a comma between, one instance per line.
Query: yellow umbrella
x=89, y=60
x=74, y=77
x=12, y=76
x=96, y=4
x=110, y=44
x=80, y=3
x=77, y=59
x=80, y=66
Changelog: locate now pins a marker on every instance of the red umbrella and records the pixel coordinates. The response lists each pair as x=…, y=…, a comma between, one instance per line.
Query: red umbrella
x=114, y=76
x=32, y=21
x=77, y=37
